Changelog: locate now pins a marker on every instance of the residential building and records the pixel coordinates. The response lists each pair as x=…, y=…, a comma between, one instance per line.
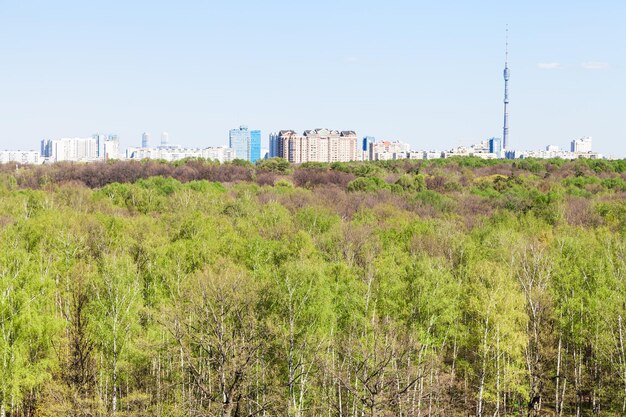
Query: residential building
x=479, y=150
x=111, y=150
x=175, y=153
x=20, y=157
x=100, y=139
x=582, y=145
x=550, y=153
x=71, y=149
x=274, y=150
x=579, y=148
x=433, y=155
x=415, y=155
x=387, y=150
x=319, y=145
x=366, y=142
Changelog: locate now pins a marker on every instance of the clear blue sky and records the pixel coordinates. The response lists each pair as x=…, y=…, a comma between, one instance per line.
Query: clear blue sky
x=425, y=72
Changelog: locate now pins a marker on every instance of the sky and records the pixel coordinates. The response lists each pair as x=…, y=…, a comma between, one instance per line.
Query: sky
x=424, y=72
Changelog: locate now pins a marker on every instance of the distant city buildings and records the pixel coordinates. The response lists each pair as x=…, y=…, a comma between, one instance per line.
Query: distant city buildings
x=145, y=140
x=319, y=145
x=582, y=145
x=385, y=150
x=165, y=139
x=100, y=139
x=20, y=157
x=579, y=148
x=479, y=150
x=367, y=140
x=176, y=153
x=97, y=147
x=495, y=147
x=71, y=149
x=246, y=143
x=275, y=149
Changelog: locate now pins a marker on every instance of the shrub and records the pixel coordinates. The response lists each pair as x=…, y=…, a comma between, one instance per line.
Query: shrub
x=367, y=184
x=280, y=165
x=412, y=182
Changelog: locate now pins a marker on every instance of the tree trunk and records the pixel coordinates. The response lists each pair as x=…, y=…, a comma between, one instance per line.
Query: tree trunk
x=481, y=389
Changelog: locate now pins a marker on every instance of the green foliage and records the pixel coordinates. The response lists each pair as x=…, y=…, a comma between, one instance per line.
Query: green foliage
x=241, y=163
x=357, y=168
x=412, y=182
x=171, y=297
x=204, y=186
x=163, y=186
x=367, y=184
x=279, y=165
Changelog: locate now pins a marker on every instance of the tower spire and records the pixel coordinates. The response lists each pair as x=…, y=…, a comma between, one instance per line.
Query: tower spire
x=505, y=129
x=506, y=47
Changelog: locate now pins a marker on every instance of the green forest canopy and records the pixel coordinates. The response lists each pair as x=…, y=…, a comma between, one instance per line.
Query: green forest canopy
x=398, y=288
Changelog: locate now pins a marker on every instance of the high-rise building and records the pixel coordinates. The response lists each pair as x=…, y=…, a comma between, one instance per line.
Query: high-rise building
x=100, y=139
x=165, y=139
x=72, y=149
x=582, y=145
x=274, y=150
x=46, y=148
x=246, y=143
x=255, y=145
x=366, y=142
x=319, y=145
x=495, y=146
x=111, y=150
x=101, y=144
x=145, y=140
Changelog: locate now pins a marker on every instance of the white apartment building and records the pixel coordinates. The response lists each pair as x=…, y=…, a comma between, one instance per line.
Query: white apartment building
x=70, y=149
x=20, y=157
x=111, y=150
x=580, y=148
x=582, y=145
x=387, y=150
x=559, y=154
x=97, y=147
x=479, y=150
x=176, y=153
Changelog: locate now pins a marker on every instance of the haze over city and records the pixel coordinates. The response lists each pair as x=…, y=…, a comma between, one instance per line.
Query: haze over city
x=429, y=74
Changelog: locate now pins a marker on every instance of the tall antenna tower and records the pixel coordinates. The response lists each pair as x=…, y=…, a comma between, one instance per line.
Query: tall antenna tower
x=505, y=130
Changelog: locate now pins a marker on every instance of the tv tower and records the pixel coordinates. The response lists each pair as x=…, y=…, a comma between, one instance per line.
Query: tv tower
x=505, y=130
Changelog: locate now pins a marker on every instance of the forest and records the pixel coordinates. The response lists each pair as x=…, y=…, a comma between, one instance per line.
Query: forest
x=457, y=287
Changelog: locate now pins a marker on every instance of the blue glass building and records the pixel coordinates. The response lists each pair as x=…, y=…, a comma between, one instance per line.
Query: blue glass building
x=245, y=143
x=495, y=146
x=366, y=142
x=239, y=140
x=255, y=145
x=274, y=145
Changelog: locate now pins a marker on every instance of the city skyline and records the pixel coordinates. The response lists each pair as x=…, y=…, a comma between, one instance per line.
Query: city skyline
x=422, y=74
